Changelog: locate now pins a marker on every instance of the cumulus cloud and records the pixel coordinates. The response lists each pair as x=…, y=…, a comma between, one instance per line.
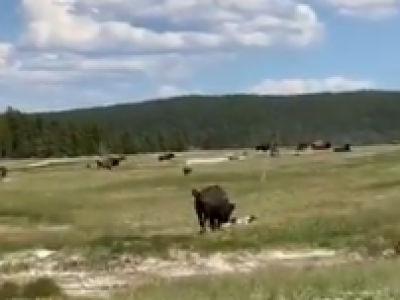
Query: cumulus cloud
x=170, y=91
x=110, y=50
x=306, y=86
x=67, y=40
x=372, y=9
x=166, y=91
x=5, y=54
x=285, y=87
x=167, y=25
x=62, y=68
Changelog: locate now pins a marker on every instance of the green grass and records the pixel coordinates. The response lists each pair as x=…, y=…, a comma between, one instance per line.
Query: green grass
x=377, y=280
x=347, y=200
x=326, y=199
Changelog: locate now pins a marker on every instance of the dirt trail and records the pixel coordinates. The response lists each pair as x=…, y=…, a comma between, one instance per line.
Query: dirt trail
x=71, y=272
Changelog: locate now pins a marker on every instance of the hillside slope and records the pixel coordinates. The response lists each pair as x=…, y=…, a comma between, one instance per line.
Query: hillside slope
x=207, y=122
x=233, y=120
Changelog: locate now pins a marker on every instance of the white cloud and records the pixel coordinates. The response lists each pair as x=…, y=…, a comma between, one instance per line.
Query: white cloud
x=61, y=68
x=371, y=9
x=166, y=91
x=5, y=54
x=81, y=51
x=281, y=87
x=169, y=91
x=305, y=86
x=87, y=25
x=118, y=42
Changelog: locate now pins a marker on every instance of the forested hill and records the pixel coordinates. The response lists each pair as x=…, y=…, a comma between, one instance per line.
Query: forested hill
x=204, y=122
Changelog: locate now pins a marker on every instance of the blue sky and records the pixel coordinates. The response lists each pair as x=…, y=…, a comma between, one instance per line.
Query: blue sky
x=60, y=54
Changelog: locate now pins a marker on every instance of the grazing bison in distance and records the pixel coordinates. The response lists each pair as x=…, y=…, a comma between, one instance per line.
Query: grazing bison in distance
x=213, y=206
x=110, y=162
x=187, y=170
x=263, y=147
x=344, y=148
x=321, y=145
x=3, y=172
x=166, y=156
x=302, y=146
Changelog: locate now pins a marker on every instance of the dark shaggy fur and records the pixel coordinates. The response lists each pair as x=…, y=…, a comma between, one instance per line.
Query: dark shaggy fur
x=212, y=204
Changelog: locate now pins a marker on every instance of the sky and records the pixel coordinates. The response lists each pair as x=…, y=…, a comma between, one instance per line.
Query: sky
x=62, y=54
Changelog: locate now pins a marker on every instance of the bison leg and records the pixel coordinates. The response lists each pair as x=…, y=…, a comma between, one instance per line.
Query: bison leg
x=201, y=219
x=215, y=219
x=226, y=213
x=202, y=223
x=214, y=223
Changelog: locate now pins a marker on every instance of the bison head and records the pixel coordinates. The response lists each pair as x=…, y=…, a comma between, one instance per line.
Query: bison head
x=227, y=211
x=196, y=194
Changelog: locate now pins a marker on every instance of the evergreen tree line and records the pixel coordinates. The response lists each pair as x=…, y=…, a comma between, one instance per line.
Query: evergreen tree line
x=206, y=122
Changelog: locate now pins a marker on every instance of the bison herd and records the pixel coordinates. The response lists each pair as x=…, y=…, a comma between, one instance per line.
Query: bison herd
x=322, y=145
x=212, y=205
x=315, y=145
x=109, y=162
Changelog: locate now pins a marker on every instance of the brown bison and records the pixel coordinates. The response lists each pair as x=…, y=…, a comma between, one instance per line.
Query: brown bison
x=109, y=162
x=321, y=145
x=166, y=156
x=3, y=172
x=213, y=206
x=302, y=146
x=187, y=170
x=344, y=148
x=263, y=147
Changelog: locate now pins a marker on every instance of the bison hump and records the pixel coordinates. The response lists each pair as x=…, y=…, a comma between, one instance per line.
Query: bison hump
x=214, y=195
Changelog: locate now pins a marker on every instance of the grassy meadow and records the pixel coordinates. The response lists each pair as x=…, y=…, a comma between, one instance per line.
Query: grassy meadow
x=334, y=200
x=374, y=281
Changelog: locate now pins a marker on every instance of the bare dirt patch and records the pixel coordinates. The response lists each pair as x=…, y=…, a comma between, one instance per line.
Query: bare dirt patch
x=77, y=278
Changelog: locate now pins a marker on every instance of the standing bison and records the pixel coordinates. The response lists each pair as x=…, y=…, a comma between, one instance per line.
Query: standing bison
x=3, y=172
x=302, y=146
x=344, y=148
x=263, y=147
x=166, y=156
x=187, y=170
x=213, y=206
x=109, y=162
x=321, y=145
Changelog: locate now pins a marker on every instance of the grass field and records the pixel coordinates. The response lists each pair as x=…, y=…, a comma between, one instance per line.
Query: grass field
x=144, y=207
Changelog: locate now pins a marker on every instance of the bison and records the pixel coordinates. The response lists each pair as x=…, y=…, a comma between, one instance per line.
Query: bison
x=212, y=204
x=263, y=147
x=103, y=164
x=3, y=172
x=321, y=145
x=166, y=156
x=344, y=148
x=187, y=170
x=109, y=162
x=302, y=146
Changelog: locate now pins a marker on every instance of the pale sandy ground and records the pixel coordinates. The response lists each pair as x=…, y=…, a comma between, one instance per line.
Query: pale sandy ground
x=71, y=272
